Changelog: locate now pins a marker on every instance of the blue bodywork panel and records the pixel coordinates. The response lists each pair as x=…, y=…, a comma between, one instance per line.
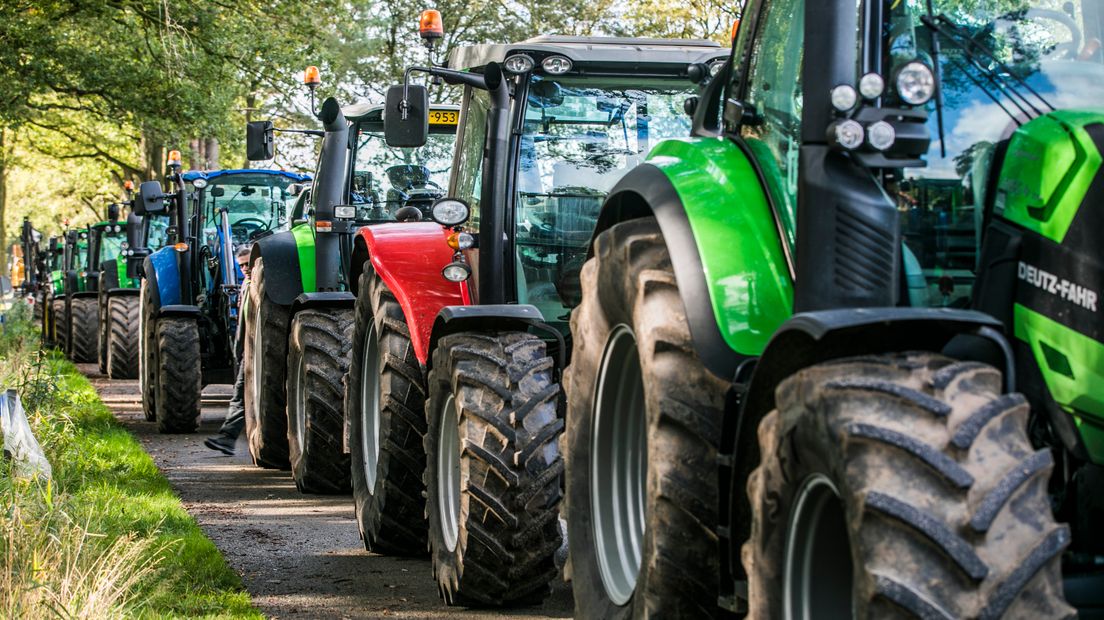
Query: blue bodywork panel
x=167, y=275
x=192, y=175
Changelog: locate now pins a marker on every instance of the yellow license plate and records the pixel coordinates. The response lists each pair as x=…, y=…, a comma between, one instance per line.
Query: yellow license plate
x=444, y=117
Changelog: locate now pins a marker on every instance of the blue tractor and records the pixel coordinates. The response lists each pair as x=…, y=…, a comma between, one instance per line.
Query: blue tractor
x=189, y=291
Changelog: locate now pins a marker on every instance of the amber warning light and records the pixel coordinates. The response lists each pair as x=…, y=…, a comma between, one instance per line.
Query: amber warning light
x=311, y=77
x=430, y=26
x=174, y=158
x=128, y=185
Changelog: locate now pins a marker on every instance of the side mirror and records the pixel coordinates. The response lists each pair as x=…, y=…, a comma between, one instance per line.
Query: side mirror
x=151, y=199
x=218, y=191
x=413, y=131
x=259, y=141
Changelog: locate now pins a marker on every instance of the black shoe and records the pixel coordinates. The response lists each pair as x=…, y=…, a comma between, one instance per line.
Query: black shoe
x=222, y=443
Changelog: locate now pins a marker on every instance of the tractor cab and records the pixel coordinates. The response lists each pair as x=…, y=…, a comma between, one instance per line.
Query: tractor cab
x=107, y=242
x=564, y=119
x=76, y=260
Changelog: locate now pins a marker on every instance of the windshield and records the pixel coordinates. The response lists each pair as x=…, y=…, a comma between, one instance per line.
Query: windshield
x=386, y=179
x=1056, y=48
x=110, y=245
x=80, y=256
x=580, y=136
x=254, y=202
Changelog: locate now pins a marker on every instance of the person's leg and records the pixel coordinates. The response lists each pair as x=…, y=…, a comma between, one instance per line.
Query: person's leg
x=235, y=419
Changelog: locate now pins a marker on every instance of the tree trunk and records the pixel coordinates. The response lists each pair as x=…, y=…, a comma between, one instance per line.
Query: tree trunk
x=195, y=154
x=212, y=153
x=4, y=194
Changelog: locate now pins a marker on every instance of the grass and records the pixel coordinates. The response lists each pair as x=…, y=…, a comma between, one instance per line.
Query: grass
x=105, y=537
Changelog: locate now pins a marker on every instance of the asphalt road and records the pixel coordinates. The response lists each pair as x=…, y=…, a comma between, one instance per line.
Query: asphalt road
x=298, y=555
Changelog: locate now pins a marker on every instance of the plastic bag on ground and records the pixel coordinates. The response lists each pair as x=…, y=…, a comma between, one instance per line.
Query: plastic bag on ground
x=20, y=444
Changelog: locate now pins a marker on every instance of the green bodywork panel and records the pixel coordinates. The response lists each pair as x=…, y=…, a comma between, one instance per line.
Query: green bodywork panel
x=1048, y=170
x=304, y=244
x=57, y=281
x=1072, y=365
x=1050, y=163
x=745, y=268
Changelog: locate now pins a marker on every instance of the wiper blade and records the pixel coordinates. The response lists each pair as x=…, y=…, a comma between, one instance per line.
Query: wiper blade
x=1005, y=81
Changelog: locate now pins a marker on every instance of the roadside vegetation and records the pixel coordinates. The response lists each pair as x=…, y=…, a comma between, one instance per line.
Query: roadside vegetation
x=105, y=537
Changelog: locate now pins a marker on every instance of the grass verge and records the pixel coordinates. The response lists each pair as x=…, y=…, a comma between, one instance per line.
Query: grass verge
x=105, y=537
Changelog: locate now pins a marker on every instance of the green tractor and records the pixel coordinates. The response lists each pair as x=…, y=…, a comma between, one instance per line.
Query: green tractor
x=840, y=353
x=78, y=323
x=298, y=314
x=53, y=286
x=117, y=301
x=105, y=261
x=463, y=321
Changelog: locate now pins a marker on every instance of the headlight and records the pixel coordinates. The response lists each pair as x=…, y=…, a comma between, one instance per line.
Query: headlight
x=871, y=86
x=124, y=246
x=844, y=97
x=556, y=65
x=199, y=183
x=456, y=271
x=847, y=134
x=881, y=135
x=915, y=83
x=518, y=63
x=450, y=212
x=345, y=213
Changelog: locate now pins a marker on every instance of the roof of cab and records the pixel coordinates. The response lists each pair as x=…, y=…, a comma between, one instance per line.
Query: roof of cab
x=192, y=175
x=590, y=51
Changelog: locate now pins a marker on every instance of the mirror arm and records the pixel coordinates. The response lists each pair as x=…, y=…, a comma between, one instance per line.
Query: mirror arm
x=451, y=76
x=310, y=132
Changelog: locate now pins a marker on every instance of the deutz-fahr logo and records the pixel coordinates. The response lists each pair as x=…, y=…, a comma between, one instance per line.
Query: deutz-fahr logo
x=1060, y=287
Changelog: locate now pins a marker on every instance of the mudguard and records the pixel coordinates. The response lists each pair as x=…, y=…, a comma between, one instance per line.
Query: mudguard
x=409, y=257
x=288, y=263
x=162, y=271
x=710, y=201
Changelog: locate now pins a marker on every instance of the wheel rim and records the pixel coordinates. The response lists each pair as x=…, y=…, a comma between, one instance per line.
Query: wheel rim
x=370, y=408
x=258, y=361
x=300, y=404
x=618, y=469
x=817, y=575
x=448, y=474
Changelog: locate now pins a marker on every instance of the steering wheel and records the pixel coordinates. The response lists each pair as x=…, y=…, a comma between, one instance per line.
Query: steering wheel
x=1061, y=50
x=250, y=225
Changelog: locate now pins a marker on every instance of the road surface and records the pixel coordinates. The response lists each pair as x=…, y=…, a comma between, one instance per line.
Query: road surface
x=298, y=555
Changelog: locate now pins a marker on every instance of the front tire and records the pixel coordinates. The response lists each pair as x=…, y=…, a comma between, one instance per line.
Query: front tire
x=493, y=468
x=179, y=375
x=643, y=425
x=122, y=337
x=385, y=402
x=265, y=359
x=920, y=470
x=147, y=351
x=318, y=358
x=83, y=329
x=55, y=327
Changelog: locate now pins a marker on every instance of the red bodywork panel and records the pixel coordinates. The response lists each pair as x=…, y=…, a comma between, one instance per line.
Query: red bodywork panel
x=409, y=258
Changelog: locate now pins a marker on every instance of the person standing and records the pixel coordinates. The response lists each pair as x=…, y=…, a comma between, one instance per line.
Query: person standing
x=232, y=427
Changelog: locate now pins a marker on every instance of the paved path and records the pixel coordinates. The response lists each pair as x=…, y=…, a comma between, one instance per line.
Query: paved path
x=298, y=555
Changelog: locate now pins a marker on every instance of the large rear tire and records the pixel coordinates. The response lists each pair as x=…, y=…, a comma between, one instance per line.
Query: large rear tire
x=122, y=337
x=493, y=468
x=147, y=352
x=385, y=401
x=55, y=331
x=103, y=328
x=643, y=425
x=919, y=469
x=318, y=358
x=179, y=375
x=265, y=359
x=83, y=329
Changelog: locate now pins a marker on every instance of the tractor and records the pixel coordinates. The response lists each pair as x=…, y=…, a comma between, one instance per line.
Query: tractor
x=79, y=324
x=189, y=288
x=116, y=298
x=53, y=259
x=30, y=242
x=839, y=353
x=453, y=395
x=299, y=312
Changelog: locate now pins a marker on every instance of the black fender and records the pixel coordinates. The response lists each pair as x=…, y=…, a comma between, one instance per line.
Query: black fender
x=283, y=282
x=331, y=299
x=179, y=310
x=122, y=292
x=109, y=275
x=149, y=274
x=644, y=192
x=811, y=338
x=522, y=317
x=84, y=294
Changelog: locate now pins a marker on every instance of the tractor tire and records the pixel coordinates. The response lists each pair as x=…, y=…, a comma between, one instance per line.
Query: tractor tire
x=122, y=337
x=385, y=401
x=493, y=468
x=179, y=375
x=55, y=323
x=918, y=468
x=643, y=426
x=102, y=329
x=147, y=352
x=265, y=359
x=83, y=329
x=318, y=358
